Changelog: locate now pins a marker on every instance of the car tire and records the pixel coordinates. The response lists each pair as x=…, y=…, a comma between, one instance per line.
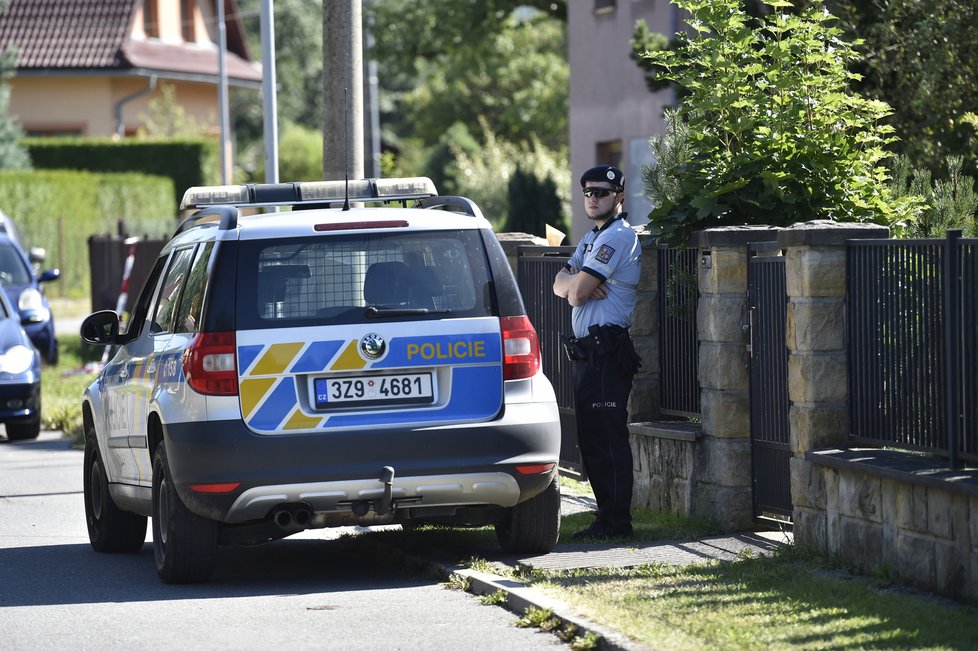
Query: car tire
x=184, y=544
x=532, y=526
x=110, y=529
x=24, y=429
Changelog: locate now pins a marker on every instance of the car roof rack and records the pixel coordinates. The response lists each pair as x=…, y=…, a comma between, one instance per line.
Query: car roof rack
x=224, y=217
x=449, y=202
x=326, y=193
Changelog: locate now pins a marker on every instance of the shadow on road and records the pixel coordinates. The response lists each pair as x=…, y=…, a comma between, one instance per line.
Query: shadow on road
x=75, y=574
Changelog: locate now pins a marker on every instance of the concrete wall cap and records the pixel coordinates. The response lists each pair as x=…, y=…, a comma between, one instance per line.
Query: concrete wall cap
x=825, y=232
x=729, y=237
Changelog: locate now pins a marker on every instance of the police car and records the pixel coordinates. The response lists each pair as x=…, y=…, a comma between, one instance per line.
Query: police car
x=361, y=356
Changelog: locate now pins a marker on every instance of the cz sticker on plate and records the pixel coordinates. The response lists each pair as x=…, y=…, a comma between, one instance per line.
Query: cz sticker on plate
x=365, y=391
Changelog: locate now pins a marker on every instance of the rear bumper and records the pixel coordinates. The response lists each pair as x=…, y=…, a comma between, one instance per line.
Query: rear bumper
x=463, y=465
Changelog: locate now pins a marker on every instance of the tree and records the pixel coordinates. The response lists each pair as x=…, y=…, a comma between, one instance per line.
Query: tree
x=12, y=154
x=298, y=59
x=773, y=134
x=922, y=59
x=533, y=203
x=448, y=61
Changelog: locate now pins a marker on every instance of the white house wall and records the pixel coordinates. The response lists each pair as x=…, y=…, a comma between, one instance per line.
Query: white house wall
x=608, y=96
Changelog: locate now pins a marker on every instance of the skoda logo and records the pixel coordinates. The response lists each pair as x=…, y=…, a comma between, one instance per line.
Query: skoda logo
x=373, y=346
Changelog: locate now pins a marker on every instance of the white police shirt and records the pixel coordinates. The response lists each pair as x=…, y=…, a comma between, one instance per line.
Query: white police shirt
x=613, y=255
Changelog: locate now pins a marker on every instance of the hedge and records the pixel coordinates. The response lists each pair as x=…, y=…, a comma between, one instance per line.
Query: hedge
x=60, y=209
x=188, y=161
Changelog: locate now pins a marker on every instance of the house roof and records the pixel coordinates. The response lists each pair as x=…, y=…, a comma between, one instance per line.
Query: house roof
x=94, y=35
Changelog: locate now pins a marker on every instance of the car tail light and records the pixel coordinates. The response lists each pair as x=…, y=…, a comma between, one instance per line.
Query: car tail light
x=226, y=487
x=521, y=348
x=209, y=364
x=535, y=469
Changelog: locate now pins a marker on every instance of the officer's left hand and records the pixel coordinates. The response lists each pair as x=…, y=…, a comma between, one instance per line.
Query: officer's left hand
x=600, y=292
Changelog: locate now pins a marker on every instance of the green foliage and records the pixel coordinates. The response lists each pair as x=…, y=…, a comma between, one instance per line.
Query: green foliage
x=484, y=177
x=63, y=385
x=300, y=156
x=643, y=41
x=533, y=203
x=440, y=159
x=922, y=59
x=542, y=618
x=771, y=133
x=497, y=598
x=188, y=162
x=949, y=203
x=166, y=118
x=13, y=156
x=445, y=61
x=298, y=65
x=59, y=210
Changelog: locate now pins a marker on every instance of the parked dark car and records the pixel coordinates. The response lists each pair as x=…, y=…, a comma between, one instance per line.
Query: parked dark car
x=20, y=376
x=26, y=293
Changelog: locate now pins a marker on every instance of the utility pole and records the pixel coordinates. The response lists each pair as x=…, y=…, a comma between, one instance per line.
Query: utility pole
x=342, y=89
x=269, y=99
x=222, y=94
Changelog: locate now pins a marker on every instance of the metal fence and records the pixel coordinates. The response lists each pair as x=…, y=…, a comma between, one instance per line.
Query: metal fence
x=679, y=388
x=912, y=336
x=535, y=270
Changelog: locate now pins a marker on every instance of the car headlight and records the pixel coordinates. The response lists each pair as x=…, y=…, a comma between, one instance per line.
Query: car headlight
x=30, y=300
x=18, y=359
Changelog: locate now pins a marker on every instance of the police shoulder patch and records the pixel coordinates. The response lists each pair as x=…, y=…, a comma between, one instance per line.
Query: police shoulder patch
x=604, y=254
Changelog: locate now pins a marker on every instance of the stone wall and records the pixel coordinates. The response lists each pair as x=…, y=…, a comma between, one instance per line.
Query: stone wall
x=890, y=512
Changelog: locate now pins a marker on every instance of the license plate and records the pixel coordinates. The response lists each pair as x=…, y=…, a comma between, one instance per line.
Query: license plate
x=363, y=391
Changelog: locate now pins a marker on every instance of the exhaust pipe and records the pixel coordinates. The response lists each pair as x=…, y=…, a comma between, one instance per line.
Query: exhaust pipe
x=302, y=516
x=292, y=517
x=283, y=518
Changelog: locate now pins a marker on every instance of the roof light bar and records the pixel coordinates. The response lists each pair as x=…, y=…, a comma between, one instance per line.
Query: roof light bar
x=213, y=195
x=329, y=192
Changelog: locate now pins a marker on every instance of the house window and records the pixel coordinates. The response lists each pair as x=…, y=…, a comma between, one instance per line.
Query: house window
x=151, y=19
x=608, y=153
x=187, y=20
x=604, y=6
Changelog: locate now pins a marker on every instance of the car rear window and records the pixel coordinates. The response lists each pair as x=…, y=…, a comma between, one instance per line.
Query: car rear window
x=362, y=277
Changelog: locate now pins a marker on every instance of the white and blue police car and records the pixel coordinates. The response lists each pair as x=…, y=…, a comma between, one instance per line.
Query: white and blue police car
x=359, y=354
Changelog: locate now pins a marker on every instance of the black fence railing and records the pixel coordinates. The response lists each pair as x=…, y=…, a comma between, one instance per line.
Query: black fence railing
x=536, y=267
x=679, y=388
x=912, y=336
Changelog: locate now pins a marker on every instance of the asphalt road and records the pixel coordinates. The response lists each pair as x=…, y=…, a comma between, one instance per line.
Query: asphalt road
x=313, y=592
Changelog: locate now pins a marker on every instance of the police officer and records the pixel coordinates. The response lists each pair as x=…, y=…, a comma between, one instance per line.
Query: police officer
x=600, y=282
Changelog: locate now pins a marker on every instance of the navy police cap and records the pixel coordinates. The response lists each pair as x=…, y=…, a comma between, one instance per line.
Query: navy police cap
x=607, y=173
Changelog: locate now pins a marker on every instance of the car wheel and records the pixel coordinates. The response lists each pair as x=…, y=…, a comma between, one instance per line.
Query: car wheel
x=184, y=544
x=110, y=529
x=534, y=525
x=24, y=429
x=52, y=356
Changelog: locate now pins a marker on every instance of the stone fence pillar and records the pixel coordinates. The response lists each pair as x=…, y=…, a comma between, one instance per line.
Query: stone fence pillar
x=815, y=277
x=643, y=404
x=722, y=490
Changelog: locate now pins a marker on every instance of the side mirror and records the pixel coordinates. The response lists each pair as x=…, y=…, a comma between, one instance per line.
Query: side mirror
x=100, y=328
x=49, y=275
x=37, y=255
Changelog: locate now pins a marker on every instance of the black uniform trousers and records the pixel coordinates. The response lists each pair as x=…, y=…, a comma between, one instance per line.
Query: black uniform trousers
x=601, y=389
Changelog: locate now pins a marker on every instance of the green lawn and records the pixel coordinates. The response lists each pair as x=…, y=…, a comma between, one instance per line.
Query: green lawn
x=62, y=385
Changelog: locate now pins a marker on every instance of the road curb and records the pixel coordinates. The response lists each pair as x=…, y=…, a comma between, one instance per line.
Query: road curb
x=520, y=598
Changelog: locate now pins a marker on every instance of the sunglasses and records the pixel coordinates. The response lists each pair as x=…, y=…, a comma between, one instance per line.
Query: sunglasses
x=601, y=193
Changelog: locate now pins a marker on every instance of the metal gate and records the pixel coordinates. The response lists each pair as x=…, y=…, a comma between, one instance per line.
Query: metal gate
x=767, y=303
x=536, y=267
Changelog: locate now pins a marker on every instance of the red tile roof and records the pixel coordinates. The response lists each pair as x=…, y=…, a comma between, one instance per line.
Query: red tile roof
x=94, y=34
